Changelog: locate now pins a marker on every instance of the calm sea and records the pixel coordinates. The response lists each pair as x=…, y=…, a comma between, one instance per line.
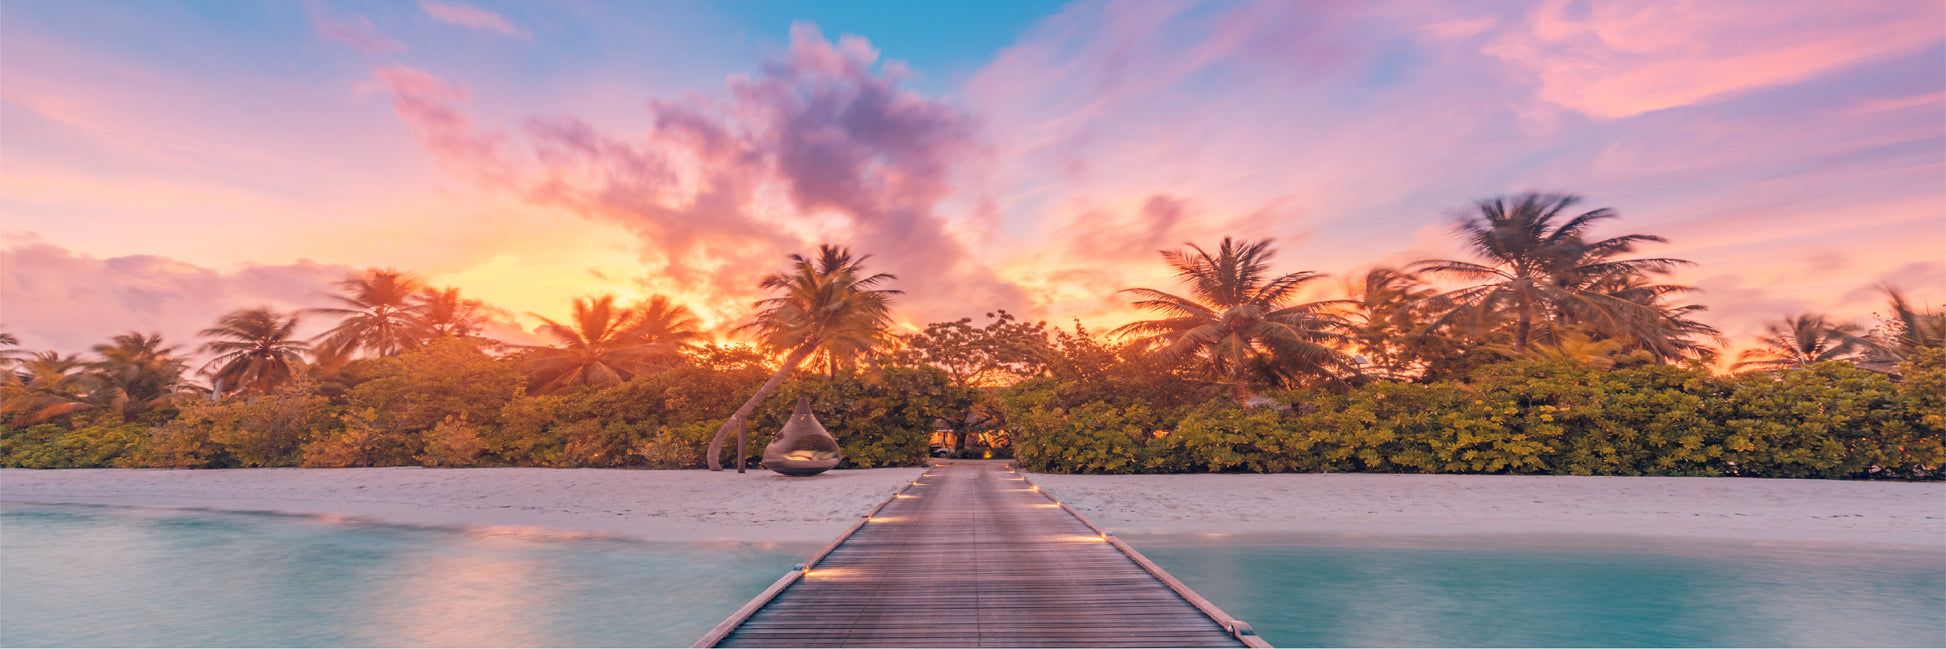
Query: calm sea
x=114, y=577
x=100, y=576
x=1325, y=592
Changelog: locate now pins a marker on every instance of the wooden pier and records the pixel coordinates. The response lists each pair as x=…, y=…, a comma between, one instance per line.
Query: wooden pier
x=974, y=555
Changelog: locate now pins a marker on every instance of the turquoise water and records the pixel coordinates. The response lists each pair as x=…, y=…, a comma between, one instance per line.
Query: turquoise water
x=98, y=576
x=1301, y=593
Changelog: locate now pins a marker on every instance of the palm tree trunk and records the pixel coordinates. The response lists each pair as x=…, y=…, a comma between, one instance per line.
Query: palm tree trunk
x=1523, y=324
x=790, y=363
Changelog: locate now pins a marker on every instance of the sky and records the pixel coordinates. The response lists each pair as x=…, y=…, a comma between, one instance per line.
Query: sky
x=164, y=163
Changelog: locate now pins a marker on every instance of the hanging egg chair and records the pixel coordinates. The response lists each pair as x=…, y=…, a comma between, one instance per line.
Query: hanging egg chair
x=802, y=447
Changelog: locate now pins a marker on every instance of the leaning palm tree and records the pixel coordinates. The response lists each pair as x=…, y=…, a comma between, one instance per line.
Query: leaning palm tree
x=1237, y=317
x=377, y=312
x=138, y=374
x=45, y=386
x=823, y=305
x=597, y=347
x=254, y=350
x=1800, y=340
x=1538, y=264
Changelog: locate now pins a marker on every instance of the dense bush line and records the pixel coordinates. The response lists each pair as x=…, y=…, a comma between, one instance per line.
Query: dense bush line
x=1832, y=420
x=449, y=405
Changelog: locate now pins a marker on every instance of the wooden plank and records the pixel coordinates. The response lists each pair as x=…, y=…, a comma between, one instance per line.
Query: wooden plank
x=973, y=554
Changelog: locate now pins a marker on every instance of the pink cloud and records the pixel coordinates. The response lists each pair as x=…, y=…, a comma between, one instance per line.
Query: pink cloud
x=429, y=106
x=356, y=31
x=62, y=300
x=818, y=147
x=465, y=15
x=1617, y=59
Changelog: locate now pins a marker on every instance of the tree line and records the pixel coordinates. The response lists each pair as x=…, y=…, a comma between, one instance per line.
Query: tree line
x=405, y=376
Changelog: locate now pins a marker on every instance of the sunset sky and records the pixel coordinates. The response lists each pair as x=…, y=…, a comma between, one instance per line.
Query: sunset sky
x=164, y=163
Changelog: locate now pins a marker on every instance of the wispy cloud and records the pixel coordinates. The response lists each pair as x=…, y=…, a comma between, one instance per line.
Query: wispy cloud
x=465, y=15
x=356, y=31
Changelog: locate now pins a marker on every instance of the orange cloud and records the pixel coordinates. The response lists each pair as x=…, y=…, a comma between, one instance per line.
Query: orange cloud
x=818, y=145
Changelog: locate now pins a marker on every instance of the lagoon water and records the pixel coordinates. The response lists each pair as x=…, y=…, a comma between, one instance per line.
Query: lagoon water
x=107, y=576
x=1311, y=592
x=112, y=577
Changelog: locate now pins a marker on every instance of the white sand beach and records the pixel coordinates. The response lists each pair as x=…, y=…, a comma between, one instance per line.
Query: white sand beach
x=759, y=506
x=1741, y=509
x=764, y=507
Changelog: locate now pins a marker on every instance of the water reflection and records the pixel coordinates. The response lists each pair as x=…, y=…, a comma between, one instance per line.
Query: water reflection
x=1709, y=595
x=96, y=576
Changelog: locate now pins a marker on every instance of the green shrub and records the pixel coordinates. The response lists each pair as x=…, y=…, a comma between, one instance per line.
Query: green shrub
x=93, y=442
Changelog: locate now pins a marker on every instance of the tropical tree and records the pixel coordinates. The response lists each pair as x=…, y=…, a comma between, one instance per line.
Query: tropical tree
x=603, y=344
x=666, y=326
x=1800, y=340
x=1003, y=351
x=824, y=305
x=442, y=312
x=1909, y=330
x=45, y=386
x=10, y=351
x=137, y=374
x=1538, y=265
x=1239, y=320
x=1388, y=307
x=254, y=350
x=377, y=313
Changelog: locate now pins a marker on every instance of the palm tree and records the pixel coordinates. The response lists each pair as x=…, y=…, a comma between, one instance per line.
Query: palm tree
x=600, y=346
x=442, y=312
x=1910, y=329
x=1542, y=268
x=668, y=326
x=1387, y=307
x=10, y=351
x=1667, y=332
x=824, y=305
x=377, y=313
x=137, y=373
x=1800, y=340
x=1238, y=317
x=44, y=386
x=254, y=350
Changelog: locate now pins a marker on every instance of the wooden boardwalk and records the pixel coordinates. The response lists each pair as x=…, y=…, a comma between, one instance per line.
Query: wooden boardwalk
x=974, y=555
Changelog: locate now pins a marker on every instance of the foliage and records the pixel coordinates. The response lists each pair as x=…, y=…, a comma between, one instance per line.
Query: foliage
x=824, y=306
x=1238, y=324
x=378, y=311
x=1832, y=420
x=137, y=376
x=603, y=344
x=254, y=350
x=45, y=387
x=1002, y=352
x=880, y=417
x=1801, y=340
x=268, y=430
x=94, y=442
x=1538, y=266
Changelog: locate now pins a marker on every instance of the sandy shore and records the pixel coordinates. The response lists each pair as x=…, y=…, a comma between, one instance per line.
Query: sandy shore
x=1743, y=509
x=764, y=507
x=758, y=506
